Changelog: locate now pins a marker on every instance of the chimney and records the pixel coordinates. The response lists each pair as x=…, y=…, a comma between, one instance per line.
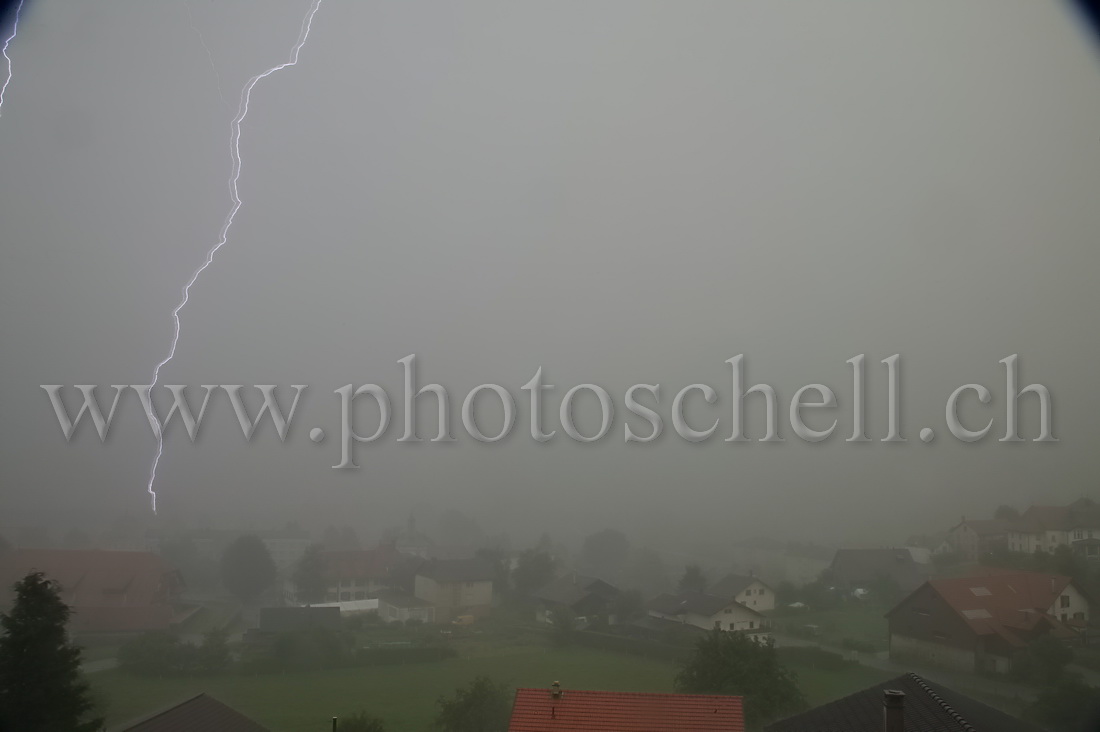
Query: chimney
x=893, y=711
x=555, y=690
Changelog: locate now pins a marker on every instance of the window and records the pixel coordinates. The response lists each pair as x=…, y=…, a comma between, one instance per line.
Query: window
x=1078, y=534
x=748, y=592
x=752, y=624
x=728, y=610
x=1063, y=601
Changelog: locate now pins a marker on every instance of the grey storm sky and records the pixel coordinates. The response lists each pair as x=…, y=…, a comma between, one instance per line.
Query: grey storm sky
x=619, y=192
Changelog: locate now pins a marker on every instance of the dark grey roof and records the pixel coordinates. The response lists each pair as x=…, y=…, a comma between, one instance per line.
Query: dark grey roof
x=570, y=589
x=731, y=585
x=289, y=619
x=929, y=707
x=200, y=713
x=457, y=570
x=696, y=603
x=861, y=567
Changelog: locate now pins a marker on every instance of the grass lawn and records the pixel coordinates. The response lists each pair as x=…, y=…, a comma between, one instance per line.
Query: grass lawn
x=859, y=621
x=404, y=696
x=823, y=682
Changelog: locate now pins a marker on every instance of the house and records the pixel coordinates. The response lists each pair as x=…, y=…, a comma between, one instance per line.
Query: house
x=708, y=612
x=574, y=710
x=1087, y=549
x=358, y=574
x=854, y=569
x=581, y=595
x=200, y=713
x=978, y=623
x=399, y=607
x=923, y=706
x=972, y=538
x=747, y=589
x=1045, y=528
x=109, y=592
x=455, y=587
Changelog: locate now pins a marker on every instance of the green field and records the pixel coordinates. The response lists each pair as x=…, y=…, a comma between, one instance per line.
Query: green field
x=862, y=622
x=404, y=696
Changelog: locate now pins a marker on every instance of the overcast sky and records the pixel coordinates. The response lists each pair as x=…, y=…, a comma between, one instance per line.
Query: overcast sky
x=619, y=192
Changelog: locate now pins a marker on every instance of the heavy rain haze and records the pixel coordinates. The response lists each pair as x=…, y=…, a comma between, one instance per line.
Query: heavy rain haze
x=618, y=193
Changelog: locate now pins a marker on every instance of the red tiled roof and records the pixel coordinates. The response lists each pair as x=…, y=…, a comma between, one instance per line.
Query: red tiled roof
x=201, y=713
x=360, y=563
x=536, y=710
x=1008, y=600
x=108, y=591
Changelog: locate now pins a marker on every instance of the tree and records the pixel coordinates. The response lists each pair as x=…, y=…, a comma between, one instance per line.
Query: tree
x=693, y=579
x=247, y=568
x=483, y=706
x=309, y=576
x=733, y=663
x=361, y=722
x=1068, y=705
x=41, y=689
x=1043, y=662
x=534, y=569
x=1005, y=512
x=213, y=655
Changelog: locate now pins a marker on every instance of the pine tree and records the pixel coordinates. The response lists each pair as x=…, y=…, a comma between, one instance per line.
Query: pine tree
x=247, y=568
x=41, y=689
x=309, y=576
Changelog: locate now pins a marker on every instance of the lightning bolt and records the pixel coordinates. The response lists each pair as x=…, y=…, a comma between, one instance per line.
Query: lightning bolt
x=234, y=179
x=4, y=51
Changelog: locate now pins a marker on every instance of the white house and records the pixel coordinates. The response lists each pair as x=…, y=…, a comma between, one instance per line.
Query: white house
x=745, y=589
x=708, y=612
x=398, y=607
x=455, y=587
x=1045, y=528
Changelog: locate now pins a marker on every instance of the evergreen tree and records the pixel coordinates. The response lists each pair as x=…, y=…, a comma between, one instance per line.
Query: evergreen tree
x=41, y=689
x=534, y=569
x=693, y=579
x=309, y=576
x=247, y=568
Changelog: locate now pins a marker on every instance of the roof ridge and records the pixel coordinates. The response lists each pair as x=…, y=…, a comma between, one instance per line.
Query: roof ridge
x=158, y=712
x=939, y=700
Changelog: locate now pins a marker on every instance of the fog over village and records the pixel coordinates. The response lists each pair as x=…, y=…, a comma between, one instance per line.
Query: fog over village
x=848, y=236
